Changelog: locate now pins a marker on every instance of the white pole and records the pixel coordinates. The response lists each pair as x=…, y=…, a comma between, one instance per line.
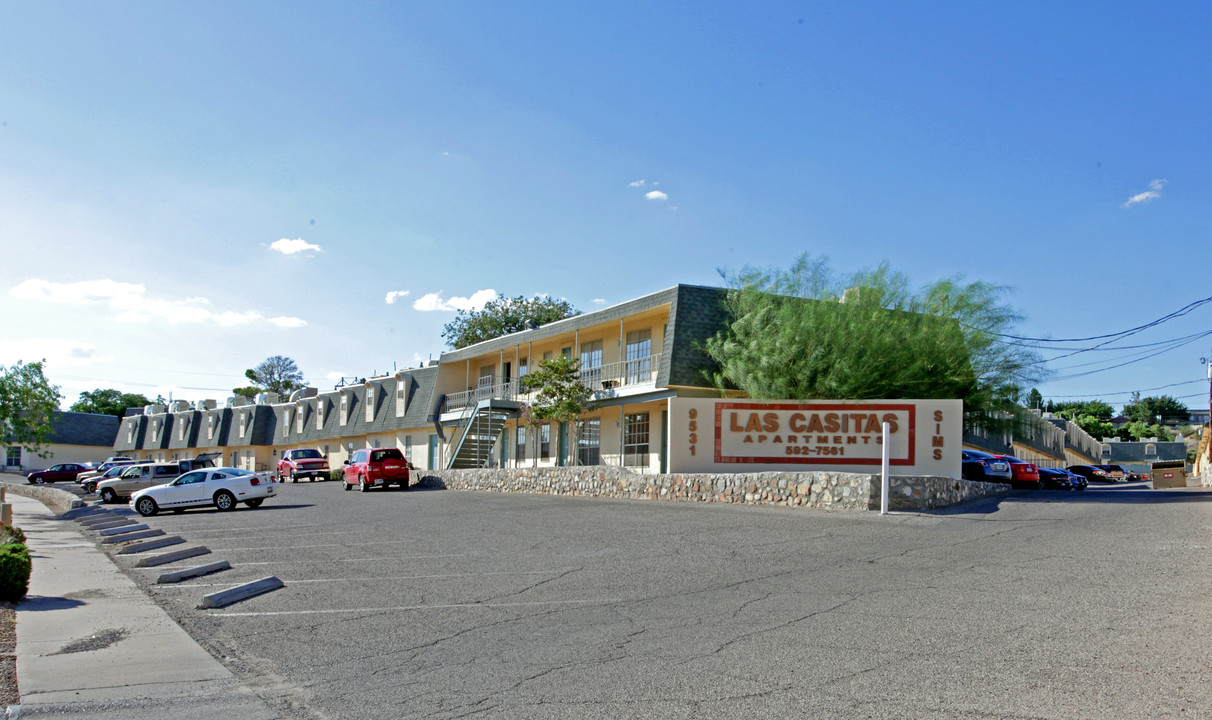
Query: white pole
x=885, y=484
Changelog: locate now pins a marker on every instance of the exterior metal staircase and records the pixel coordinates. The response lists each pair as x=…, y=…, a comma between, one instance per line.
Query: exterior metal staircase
x=479, y=430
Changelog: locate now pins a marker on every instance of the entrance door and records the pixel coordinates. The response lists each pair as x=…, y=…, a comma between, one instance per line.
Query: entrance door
x=433, y=452
x=562, y=457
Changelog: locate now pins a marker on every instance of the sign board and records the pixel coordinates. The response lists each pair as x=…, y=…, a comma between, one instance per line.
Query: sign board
x=739, y=435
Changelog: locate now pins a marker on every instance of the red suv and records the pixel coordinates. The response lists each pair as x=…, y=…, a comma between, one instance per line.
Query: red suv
x=375, y=467
x=306, y=463
x=1022, y=473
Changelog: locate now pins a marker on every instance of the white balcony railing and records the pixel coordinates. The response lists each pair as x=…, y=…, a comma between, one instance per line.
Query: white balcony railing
x=603, y=380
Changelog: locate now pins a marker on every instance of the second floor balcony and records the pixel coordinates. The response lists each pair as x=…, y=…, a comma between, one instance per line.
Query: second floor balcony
x=605, y=381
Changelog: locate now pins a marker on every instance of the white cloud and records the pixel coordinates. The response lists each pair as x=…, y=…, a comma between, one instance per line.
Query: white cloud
x=290, y=247
x=58, y=352
x=78, y=293
x=393, y=295
x=599, y=301
x=434, y=302
x=288, y=322
x=637, y=183
x=334, y=376
x=1153, y=193
x=656, y=195
x=130, y=304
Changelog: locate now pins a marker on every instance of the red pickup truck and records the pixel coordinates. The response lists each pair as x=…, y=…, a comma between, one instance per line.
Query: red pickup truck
x=306, y=463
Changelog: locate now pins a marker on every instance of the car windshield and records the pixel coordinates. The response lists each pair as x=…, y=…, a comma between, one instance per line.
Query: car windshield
x=380, y=455
x=306, y=454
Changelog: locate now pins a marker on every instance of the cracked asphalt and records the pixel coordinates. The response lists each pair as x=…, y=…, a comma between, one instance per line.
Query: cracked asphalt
x=441, y=604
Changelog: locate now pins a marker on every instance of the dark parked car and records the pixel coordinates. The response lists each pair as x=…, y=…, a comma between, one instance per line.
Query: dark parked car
x=58, y=473
x=983, y=466
x=1091, y=473
x=1025, y=474
x=1115, y=472
x=1061, y=479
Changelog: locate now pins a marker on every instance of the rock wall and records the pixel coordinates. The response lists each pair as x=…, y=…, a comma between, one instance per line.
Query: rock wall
x=832, y=490
x=58, y=500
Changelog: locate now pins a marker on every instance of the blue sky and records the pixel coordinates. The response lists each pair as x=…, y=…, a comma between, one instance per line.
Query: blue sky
x=154, y=156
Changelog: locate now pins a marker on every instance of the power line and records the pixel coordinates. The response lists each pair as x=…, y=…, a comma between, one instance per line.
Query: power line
x=1129, y=392
x=1123, y=333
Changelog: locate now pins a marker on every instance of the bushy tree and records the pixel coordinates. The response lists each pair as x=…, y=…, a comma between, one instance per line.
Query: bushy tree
x=560, y=394
x=502, y=317
x=805, y=333
x=1164, y=410
x=278, y=374
x=1073, y=409
x=27, y=405
x=108, y=402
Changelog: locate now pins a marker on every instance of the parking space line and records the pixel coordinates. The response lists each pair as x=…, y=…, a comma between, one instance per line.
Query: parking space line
x=308, y=547
x=377, y=558
x=387, y=577
x=400, y=608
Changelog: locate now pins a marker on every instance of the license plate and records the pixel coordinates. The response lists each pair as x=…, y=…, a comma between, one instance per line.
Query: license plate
x=999, y=466
x=269, y=490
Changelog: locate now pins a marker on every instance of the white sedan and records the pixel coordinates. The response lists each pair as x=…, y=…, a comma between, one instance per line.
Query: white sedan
x=222, y=487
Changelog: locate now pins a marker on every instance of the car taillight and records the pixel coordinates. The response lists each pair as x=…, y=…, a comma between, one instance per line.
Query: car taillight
x=255, y=480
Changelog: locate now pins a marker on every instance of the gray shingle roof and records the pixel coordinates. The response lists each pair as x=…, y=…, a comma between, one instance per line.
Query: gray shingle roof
x=76, y=428
x=1134, y=452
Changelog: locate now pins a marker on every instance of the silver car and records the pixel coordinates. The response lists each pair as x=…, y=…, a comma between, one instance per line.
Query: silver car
x=137, y=477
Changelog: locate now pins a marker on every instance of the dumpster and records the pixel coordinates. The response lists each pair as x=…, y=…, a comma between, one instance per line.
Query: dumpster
x=1169, y=474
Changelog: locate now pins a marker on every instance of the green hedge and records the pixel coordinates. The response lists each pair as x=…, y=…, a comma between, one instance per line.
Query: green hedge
x=15, y=567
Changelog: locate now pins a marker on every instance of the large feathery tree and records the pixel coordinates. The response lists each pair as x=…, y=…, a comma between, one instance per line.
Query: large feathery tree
x=806, y=333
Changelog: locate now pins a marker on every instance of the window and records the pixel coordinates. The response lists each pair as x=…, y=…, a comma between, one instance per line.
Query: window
x=243, y=423
x=1150, y=450
x=320, y=414
x=286, y=422
x=635, y=440
x=545, y=442
x=589, y=442
x=300, y=411
x=210, y=427
x=13, y=456
x=639, y=356
x=1106, y=451
x=523, y=367
x=591, y=362
x=408, y=447
x=344, y=407
x=521, y=443
x=370, y=403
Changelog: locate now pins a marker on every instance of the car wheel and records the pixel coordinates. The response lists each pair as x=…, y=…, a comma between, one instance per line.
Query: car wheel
x=255, y=502
x=39, y=481
x=109, y=496
x=146, y=506
x=293, y=478
x=362, y=487
x=346, y=485
x=225, y=500
x=90, y=487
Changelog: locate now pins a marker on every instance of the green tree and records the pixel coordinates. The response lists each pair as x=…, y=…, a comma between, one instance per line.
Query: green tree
x=1095, y=426
x=278, y=374
x=27, y=405
x=108, y=402
x=804, y=333
x=1165, y=410
x=1073, y=409
x=1035, y=400
x=502, y=317
x=560, y=394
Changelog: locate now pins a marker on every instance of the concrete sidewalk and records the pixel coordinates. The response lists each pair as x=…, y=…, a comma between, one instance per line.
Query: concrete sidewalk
x=91, y=644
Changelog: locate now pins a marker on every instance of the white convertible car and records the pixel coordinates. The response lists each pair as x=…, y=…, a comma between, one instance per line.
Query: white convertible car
x=222, y=487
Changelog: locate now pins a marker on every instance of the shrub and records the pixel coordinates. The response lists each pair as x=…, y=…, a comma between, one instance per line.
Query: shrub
x=11, y=534
x=14, y=571
x=336, y=474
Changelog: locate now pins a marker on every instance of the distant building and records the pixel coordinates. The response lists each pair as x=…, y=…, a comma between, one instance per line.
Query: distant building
x=1139, y=456
x=75, y=437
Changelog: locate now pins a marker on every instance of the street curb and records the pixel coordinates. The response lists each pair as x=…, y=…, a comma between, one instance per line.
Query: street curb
x=173, y=556
x=151, y=545
x=122, y=530
x=136, y=536
x=240, y=592
x=97, y=518
x=180, y=575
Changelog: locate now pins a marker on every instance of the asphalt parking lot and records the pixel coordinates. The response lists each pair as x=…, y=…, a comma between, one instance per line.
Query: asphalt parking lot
x=443, y=604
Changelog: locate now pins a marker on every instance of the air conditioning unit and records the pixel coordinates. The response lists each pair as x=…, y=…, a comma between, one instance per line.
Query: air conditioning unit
x=267, y=398
x=207, y=404
x=238, y=401
x=180, y=405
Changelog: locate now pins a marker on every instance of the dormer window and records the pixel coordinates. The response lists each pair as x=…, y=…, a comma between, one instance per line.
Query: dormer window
x=1151, y=450
x=344, y=407
x=286, y=422
x=243, y=423
x=210, y=426
x=370, y=402
x=300, y=411
x=320, y=413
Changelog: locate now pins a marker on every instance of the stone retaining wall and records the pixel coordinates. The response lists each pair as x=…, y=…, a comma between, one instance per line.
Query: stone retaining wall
x=57, y=500
x=833, y=490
